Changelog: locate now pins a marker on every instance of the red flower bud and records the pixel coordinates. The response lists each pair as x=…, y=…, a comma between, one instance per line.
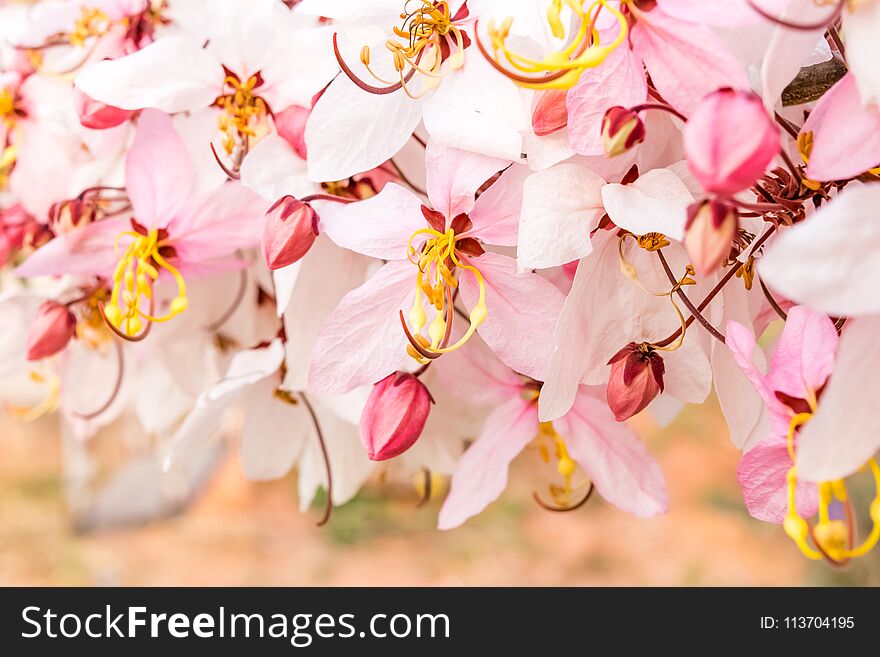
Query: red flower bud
x=636, y=378
x=729, y=141
x=394, y=416
x=709, y=232
x=289, y=232
x=51, y=330
x=97, y=115
x=291, y=126
x=622, y=129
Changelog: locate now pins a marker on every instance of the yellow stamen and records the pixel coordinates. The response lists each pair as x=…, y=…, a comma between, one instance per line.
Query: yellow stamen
x=417, y=48
x=437, y=263
x=562, y=68
x=831, y=536
x=91, y=23
x=244, y=115
x=136, y=273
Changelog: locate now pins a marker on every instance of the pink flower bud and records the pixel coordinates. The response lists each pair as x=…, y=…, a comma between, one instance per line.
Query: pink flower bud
x=51, y=330
x=97, y=115
x=549, y=112
x=394, y=416
x=729, y=141
x=636, y=378
x=622, y=129
x=289, y=232
x=709, y=232
x=291, y=126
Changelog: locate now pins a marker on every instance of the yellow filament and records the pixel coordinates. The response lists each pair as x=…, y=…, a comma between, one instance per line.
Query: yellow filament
x=433, y=280
x=133, y=282
x=654, y=242
x=566, y=60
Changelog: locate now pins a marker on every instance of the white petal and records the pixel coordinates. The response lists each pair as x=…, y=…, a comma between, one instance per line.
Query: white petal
x=156, y=77
x=845, y=432
x=351, y=131
x=831, y=261
x=477, y=110
x=272, y=169
x=561, y=205
x=656, y=202
x=273, y=433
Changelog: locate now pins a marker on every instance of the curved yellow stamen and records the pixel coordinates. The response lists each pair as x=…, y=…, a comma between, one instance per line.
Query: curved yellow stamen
x=435, y=276
x=133, y=281
x=563, y=67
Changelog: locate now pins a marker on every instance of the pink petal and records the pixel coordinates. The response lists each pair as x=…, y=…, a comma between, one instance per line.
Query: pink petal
x=730, y=13
x=362, y=341
x=686, y=61
x=613, y=457
x=454, y=177
x=475, y=374
x=496, y=212
x=656, y=202
x=846, y=135
x=481, y=474
x=619, y=81
x=159, y=174
x=87, y=251
x=762, y=477
x=379, y=227
x=219, y=224
x=522, y=313
x=804, y=356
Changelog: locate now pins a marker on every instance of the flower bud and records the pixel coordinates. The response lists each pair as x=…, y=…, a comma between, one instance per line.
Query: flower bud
x=636, y=378
x=729, y=141
x=289, y=232
x=394, y=416
x=291, y=126
x=97, y=115
x=51, y=330
x=709, y=232
x=622, y=129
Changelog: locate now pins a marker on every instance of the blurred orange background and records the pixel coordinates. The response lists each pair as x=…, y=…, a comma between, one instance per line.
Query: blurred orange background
x=242, y=533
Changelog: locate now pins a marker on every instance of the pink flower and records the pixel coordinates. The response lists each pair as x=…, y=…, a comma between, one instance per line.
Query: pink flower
x=289, y=232
x=729, y=141
x=610, y=454
x=173, y=229
x=636, y=379
x=795, y=378
x=51, y=330
x=363, y=340
x=394, y=416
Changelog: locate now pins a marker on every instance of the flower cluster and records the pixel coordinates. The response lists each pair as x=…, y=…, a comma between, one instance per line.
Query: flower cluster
x=422, y=236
